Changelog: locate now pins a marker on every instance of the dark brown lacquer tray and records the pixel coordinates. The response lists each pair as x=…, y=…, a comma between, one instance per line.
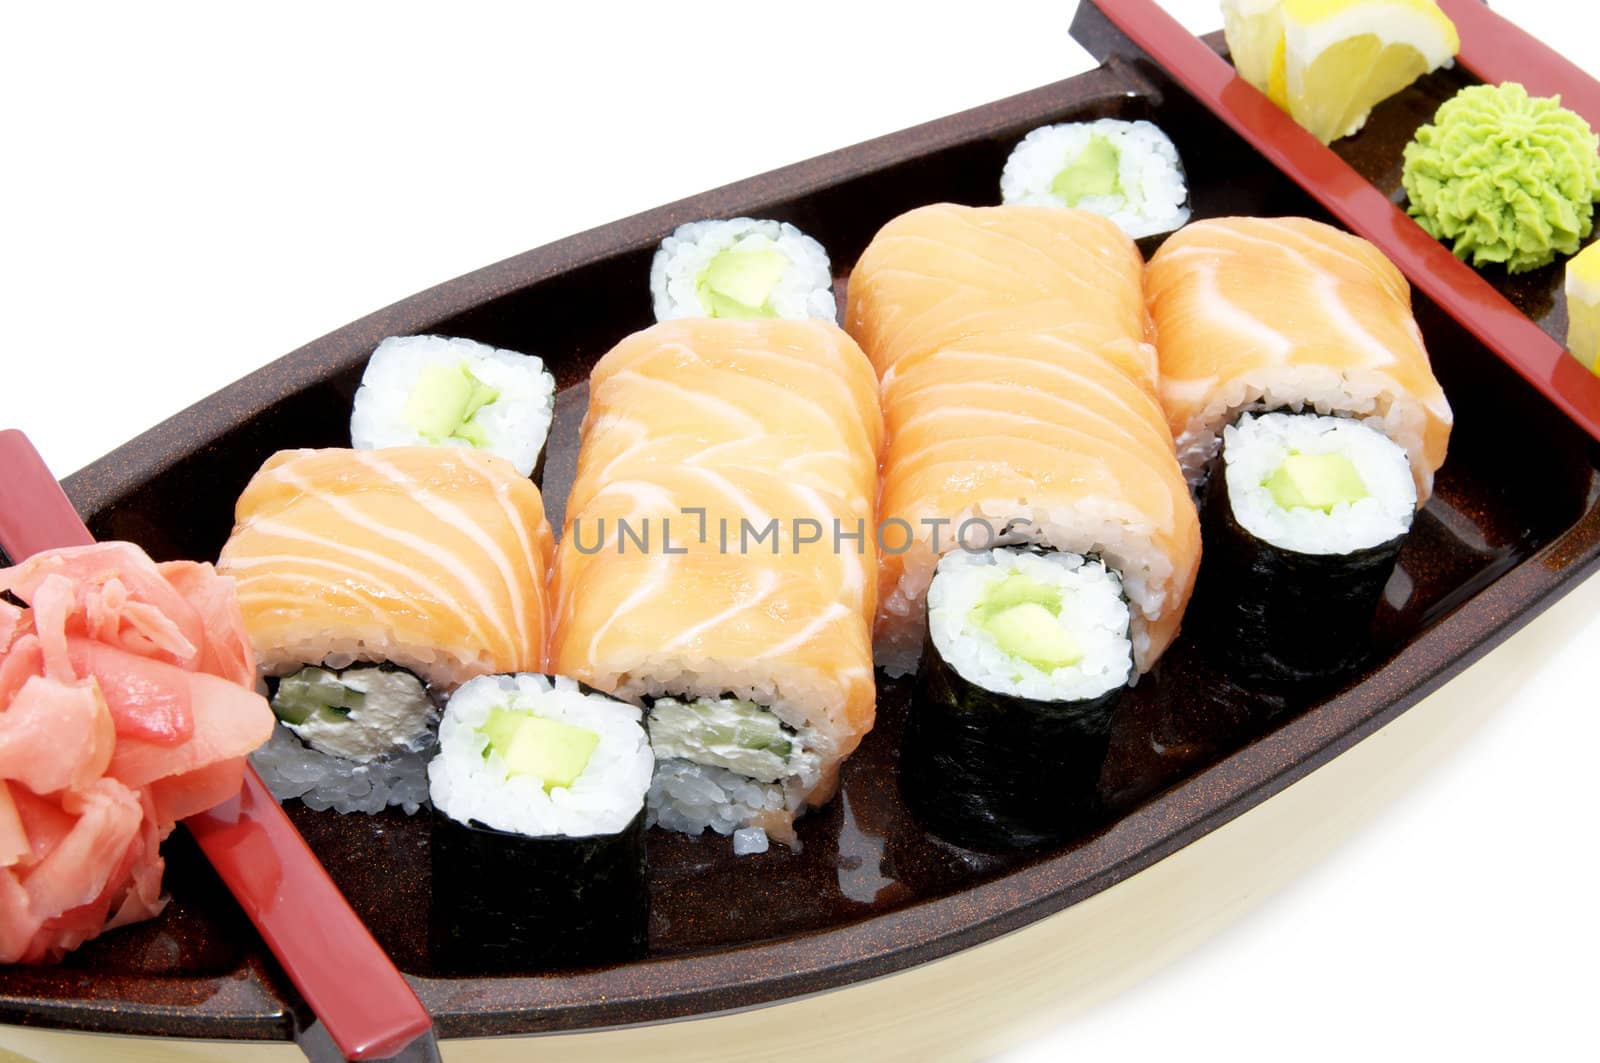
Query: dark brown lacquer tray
x=870, y=893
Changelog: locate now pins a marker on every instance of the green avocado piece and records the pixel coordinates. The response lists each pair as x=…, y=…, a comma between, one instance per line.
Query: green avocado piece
x=1315, y=481
x=1092, y=172
x=738, y=282
x=1015, y=588
x=500, y=728
x=1030, y=632
x=532, y=745
x=313, y=692
x=444, y=400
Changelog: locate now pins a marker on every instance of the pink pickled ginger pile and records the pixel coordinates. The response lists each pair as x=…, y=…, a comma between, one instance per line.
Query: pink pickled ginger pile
x=127, y=702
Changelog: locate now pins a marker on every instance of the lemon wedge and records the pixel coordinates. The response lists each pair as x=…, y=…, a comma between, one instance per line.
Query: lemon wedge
x=1329, y=62
x=1583, y=307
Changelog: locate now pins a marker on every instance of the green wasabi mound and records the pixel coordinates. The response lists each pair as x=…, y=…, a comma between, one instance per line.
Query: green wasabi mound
x=1504, y=177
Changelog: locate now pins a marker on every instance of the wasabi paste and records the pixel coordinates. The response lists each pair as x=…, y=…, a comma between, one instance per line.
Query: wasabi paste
x=1504, y=177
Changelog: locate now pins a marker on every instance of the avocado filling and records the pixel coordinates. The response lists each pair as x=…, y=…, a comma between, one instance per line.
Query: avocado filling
x=1315, y=481
x=1092, y=172
x=361, y=713
x=444, y=401
x=1022, y=615
x=554, y=752
x=739, y=282
x=729, y=733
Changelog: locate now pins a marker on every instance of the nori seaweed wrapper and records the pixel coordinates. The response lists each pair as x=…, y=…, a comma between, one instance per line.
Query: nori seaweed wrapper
x=989, y=771
x=1281, y=618
x=507, y=902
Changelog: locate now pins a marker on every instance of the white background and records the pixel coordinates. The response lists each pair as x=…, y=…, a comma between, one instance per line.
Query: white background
x=191, y=191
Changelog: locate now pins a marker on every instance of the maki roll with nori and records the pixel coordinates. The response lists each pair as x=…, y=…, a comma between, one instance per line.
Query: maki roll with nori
x=1127, y=171
x=538, y=841
x=741, y=268
x=1027, y=654
x=1304, y=518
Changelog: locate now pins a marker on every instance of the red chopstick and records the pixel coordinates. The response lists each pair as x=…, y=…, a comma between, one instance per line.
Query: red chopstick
x=369, y=1009
x=1497, y=50
x=1451, y=283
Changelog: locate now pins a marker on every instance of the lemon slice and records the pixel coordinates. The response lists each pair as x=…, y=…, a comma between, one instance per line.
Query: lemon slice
x=1329, y=62
x=1254, y=29
x=1583, y=307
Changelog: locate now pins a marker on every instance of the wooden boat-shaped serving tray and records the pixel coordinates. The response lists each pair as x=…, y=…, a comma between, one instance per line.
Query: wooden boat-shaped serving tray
x=870, y=893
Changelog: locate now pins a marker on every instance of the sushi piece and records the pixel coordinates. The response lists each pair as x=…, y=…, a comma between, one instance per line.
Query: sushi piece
x=741, y=268
x=1304, y=519
x=1022, y=422
x=1289, y=313
x=1019, y=402
x=372, y=584
x=1127, y=171
x=1027, y=654
x=126, y=704
x=440, y=392
x=538, y=852
x=1291, y=346
x=717, y=563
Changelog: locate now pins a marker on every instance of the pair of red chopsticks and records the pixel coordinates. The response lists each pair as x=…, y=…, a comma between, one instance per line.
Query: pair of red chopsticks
x=367, y=1007
x=1492, y=49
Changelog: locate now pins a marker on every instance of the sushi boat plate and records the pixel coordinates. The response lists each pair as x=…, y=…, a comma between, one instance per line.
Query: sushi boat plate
x=870, y=893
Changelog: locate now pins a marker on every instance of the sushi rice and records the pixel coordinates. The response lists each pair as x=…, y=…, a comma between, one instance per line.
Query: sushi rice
x=1127, y=171
x=291, y=769
x=425, y=390
x=786, y=273
x=1256, y=447
x=353, y=740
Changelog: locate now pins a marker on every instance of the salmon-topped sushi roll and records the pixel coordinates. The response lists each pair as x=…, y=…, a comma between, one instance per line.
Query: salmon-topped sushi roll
x=373, y=583
x=718, y=562
x=1297, y=384
x=1018, y=384
x=1047, y=541
x=1262, y=313
x=942, y=274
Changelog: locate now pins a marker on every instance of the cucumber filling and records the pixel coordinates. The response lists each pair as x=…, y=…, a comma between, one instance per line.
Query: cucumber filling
x=730, y=733
x=556, y=753
x=1092, y=172
x=444, y=401
x=360, y=713
x=739, y=282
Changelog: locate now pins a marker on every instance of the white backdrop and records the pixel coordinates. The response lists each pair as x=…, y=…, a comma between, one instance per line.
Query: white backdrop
x=192, y=190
